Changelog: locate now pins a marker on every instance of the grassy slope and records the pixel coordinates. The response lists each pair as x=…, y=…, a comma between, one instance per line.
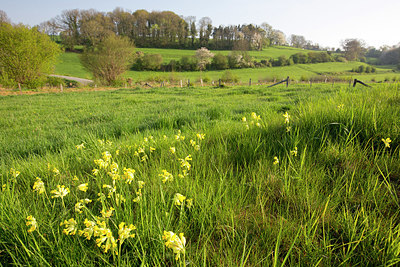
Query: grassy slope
x=70, y=65
x=335, y=202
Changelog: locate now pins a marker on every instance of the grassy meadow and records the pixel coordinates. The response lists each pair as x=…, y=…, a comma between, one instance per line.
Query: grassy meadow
x=234, y=176
x=70, y=65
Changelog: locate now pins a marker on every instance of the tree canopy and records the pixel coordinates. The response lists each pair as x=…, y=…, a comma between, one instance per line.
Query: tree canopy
x=108, y=59
x=26, y=55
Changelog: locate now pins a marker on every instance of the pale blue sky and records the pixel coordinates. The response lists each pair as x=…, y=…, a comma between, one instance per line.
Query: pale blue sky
x=323, y=22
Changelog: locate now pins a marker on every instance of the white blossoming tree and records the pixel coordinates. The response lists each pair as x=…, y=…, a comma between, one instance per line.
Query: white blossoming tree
x=204, y=57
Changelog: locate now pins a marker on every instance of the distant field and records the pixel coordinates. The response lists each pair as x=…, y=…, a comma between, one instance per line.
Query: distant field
x=69, y=64
x=176, y=54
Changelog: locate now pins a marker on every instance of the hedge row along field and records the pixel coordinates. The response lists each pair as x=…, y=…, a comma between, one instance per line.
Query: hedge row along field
x=201, y=177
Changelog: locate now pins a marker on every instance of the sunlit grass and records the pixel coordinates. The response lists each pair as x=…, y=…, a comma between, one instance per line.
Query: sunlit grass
x=294, y=176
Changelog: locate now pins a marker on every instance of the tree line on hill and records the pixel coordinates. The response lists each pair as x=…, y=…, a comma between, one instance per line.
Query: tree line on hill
x=163, y=29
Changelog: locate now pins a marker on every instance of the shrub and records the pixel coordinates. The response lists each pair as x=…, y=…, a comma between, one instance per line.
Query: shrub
x=188, y=63
x=108, y=59
x=220, y=62
x=228, y=76
x=152, y=61
x=26, y=55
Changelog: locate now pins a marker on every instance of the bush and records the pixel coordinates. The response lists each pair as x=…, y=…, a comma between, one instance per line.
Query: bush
x=188, y=63
x=109, y=59
x=220, y=62
x=340, y=59
x=228, y=76
x=152, y=61
x=55, y=81
x=26, y=55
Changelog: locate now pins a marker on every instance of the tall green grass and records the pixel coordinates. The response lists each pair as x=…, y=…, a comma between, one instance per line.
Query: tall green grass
x=332, y=202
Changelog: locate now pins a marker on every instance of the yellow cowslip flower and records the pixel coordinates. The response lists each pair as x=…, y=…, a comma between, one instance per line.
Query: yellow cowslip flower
x=106, y=237
x=197, y=147
x=189, y=203
x=61, y=191
x=14, y=174
x=192, y=142
x=95, y=172
x=101, y=163
x=124, y=231
x=119, y=199
x=101, y=142
x=152, y=149
x=31, y=221
x=80, y=147
x=255, y=116
x=129, y=175
x=165, y=137
x=114, y=167
x=38, y=186
x=179, y=136
x=386, y=141
x=108, y=213
x=294, y=152
x=70, y=226
x=117, y=152
x=200, y=136
x=144, y=158
x=141, y=184
x=276, y=160
x=4, y=187
x=138, y=197
x=244, y=119
x=177, y=244
x=111, y=189
x=106, y=156
x=89, y=230
x=288, y=128
x=140, y=150
x=145, y=139
x=247, y=127
x=172, y=149
x=81, y=204
x=340, y=107
x=166, y=176
x=286, y=116
x=83, y=187
x=75, y=178
x=258, y=124
x=108, y=142
x=185, y=162
x=179, y=199
x=56, y=171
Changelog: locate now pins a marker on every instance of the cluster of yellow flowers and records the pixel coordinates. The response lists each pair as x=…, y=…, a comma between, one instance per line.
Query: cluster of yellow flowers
x=181, y=200
x=175, y=242
x=106, y=167
x=255, y=120
x=287, y=121
x=387, y=142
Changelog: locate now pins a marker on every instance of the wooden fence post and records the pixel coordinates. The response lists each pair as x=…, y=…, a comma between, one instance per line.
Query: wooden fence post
x=188, y=82
x=201, y=82
x=61, y=87
x=250, y=82
x=181, y=83
x=19, y=86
